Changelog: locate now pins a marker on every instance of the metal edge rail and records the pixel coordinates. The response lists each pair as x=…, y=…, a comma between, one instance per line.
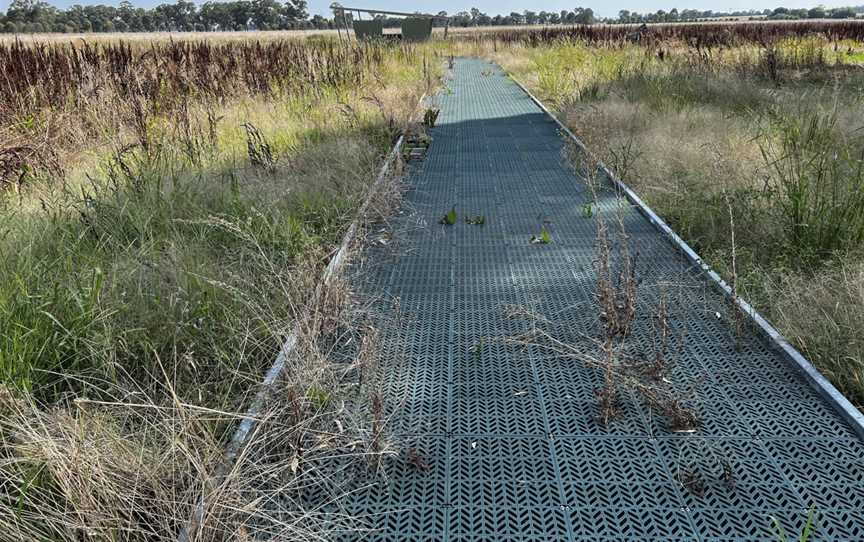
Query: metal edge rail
x=832, y=395
x=250, y=419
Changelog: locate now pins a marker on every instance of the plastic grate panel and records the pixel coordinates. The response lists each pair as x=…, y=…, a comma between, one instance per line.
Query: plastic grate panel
x=403, y=524
x=631, y=524
x=509, y=523
x=508, y=432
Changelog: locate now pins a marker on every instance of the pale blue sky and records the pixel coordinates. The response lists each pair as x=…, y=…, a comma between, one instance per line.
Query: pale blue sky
x=603, y=8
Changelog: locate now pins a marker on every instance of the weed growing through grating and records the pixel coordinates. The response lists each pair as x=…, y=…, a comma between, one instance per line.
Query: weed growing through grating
x=616, y=296
x=806, y=533
x=477, y=351
x=733, y=301
x=450, y=218
x=543, y=239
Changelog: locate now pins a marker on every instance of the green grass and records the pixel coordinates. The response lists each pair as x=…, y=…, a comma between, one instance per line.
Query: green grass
x=184, y=254
x=158, y=268
x=806, y=532
x=144, y=295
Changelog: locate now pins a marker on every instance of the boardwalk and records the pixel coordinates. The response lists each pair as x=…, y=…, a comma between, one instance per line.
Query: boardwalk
x=500, y=440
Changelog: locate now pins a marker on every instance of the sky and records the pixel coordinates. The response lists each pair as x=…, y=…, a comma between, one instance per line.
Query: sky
x=603, y=8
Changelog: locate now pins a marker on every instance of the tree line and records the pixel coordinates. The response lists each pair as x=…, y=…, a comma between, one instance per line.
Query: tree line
x=781, y=13
x=182, y=16
x=31, y=16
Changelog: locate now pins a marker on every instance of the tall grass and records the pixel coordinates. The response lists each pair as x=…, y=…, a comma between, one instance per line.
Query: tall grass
x=121, y=255
x=54, y=97
x=818, y=179
x=703, y=35
x=150, y=278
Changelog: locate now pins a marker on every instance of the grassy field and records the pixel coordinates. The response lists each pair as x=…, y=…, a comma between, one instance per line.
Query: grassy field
x=168, y=206
x=275, y=35
x=167, y=210
x=769, y=134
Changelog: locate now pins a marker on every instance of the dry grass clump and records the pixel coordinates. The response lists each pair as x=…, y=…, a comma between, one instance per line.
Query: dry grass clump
x=78, y=472
x=822, y=313
x=618, y=302
x=676, y=160
x=133, y=468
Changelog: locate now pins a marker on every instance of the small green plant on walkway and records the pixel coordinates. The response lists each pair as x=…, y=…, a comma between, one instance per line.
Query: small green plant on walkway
x=543, y=239
x=806, y=533
x=450, y=218
x=477, y=350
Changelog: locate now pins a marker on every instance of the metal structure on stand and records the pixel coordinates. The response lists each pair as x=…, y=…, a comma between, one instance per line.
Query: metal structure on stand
x=412, y=28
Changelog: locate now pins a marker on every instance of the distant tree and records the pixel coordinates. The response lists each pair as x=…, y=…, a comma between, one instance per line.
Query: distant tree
x=842, y=13
x=132, y=17
x=266, y=14
x=583, y=16
x=216, y=16
x=478, y=18
x=319, y=22
x=816, y=13
x=33, y=15
x=177, y=17
x=296, y=10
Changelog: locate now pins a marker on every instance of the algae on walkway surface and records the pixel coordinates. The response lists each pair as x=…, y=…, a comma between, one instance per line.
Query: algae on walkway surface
x=500, y=438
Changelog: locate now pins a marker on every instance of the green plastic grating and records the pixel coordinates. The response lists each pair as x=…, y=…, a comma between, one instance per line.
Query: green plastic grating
x=509, y=432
